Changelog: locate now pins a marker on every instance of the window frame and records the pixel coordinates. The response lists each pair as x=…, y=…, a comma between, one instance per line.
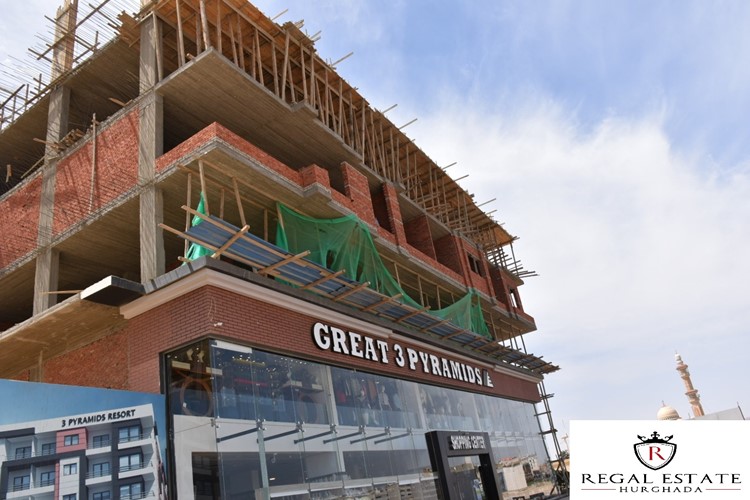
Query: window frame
x=71, y=440
x=50, y=478
x=129, y=437
x=101, y=469
x=101, y=441
x=70, y=469
x=130, y=465
x=130, y=494
x=23, y=484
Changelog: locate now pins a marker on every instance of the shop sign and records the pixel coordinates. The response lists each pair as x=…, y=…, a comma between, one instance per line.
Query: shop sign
x=330, y=338
x=466, y=442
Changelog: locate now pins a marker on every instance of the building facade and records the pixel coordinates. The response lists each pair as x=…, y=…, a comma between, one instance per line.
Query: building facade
x=104, y=455
x=214, y=214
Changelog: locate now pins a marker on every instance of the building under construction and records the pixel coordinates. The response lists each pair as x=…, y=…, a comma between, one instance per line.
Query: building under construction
x=196, y=204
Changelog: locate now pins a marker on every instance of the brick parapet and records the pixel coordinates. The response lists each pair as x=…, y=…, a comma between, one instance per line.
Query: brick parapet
x=130, y=358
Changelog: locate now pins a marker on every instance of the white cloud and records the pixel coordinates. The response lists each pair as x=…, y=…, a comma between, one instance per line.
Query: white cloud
x=641, y=250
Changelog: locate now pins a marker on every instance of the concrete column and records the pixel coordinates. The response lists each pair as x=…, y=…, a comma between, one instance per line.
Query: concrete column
x=150, y=46
x=36, y=373
x=46, y=278
x=47, y=261
x=150, y=147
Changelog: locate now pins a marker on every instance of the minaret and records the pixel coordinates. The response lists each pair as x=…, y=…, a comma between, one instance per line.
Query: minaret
x=692, y=393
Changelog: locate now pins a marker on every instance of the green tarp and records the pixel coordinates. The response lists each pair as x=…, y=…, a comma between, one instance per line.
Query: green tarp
x=195, y=250
x=346, y=243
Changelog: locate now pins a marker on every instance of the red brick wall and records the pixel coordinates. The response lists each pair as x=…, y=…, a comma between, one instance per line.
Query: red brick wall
x=217, y=131
x=447, y=252
x=500, y=288
x=357, y=190
x=103, y=363
x=476, y=280
x=19, y=221
x=116, y=172
x=313, y=174
x=419, y=236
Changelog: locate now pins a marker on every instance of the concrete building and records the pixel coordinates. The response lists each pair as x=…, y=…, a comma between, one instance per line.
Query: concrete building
x=103, y=455
x=297, y=364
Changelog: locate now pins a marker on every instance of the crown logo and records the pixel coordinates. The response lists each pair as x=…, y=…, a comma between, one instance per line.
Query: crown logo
x=655, y=438
x=655, y=452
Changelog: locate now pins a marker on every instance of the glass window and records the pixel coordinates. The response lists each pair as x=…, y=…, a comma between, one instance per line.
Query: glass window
x=190, y=382
x=72, y=496
x=47, y=478
x=101, y=441
x=71, y=440
x=102, y=495
x=23, y=452
x=70, y=469
x=378, y=441
x=130, y=462
x=48, y=449
x=21, y=483
x=130, y=491
x=100, y=469
x=132, y=433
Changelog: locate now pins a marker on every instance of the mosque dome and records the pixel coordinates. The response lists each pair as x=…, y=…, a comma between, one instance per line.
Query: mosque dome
x=667, y=413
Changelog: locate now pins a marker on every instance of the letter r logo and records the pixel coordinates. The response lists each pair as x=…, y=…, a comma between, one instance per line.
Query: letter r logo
x=654, y=450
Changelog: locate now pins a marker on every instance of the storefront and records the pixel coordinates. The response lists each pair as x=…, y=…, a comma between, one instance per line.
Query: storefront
x=248, y=423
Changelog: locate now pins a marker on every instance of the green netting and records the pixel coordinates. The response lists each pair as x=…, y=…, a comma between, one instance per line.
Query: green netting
x=195, y=250
x=346, y=243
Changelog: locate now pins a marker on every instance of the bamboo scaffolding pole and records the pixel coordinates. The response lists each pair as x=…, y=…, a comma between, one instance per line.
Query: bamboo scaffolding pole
x=159, y=48
x=197, y=37
x=218, y=26
x=381, y=302
x=234, y=46
x=188, y=203
x=180, y=36
x=92, y=182
x=322, y=280
x=284, y=67
x=275, y=70
x=238, y=199
x=231, y=241
x=302, y=69
x=257, y=56
x=204, y=25
x=203, y=187
x=294, y=258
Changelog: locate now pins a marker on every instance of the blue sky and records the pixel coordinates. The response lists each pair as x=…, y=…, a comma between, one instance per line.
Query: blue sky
x=616, y=139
